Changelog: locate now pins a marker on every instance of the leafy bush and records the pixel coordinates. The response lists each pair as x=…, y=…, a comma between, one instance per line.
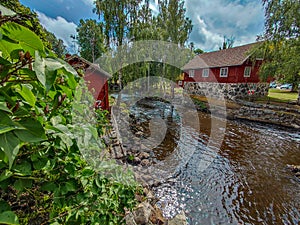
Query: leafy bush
x=44, y=177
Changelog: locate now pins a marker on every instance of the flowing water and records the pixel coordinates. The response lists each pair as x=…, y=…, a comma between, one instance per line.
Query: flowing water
x=246, y=183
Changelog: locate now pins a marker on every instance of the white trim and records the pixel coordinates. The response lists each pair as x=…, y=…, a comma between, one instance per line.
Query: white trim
x=223, y=73
x=180, y=82
x=248, y=70
x=205, y=73
x=191, y=73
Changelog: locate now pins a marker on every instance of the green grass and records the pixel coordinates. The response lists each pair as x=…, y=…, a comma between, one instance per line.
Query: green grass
x=278, y=96
x=282, y=95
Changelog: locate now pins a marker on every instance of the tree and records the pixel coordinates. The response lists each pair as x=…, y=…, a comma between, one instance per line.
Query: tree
x=57, y=45
x=198, y=51
x=117, y=17
x=90, y=39
x=281, y=47
x=176, y=27
x=227, y=42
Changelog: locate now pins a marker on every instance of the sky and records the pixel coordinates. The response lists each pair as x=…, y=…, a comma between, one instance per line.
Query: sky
x=212, y=19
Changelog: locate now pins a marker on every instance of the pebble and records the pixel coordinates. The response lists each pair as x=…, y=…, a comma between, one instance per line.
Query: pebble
x=145, y=162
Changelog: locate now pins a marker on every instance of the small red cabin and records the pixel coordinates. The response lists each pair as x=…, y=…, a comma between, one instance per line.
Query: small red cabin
x=95, y=77
x=231, y=65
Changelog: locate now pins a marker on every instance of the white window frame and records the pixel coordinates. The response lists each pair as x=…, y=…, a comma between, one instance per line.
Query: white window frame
x=180, y=82
x=205, y=73
x=191, y=73
x=223, y=73
x=247, y=71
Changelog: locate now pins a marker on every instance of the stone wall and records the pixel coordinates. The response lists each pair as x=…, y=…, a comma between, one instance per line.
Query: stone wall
x=279, y=115
x=228, y=90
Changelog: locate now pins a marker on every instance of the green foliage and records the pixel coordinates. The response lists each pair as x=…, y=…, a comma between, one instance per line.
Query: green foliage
x=44, y=174
x=32, y=22
x=90, y=39
x=174, y=25
x=200, y=105
x=127, y=20
x=281, y=46
x=57, y=45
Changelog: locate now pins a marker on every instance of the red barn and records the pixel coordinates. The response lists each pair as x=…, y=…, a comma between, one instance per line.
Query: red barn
x=232, y=68
x=95, y=77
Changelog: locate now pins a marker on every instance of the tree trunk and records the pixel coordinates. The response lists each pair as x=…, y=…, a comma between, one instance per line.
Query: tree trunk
x=298, y=100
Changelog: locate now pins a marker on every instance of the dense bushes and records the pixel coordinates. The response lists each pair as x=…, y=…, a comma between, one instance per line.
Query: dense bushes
x=44, y=178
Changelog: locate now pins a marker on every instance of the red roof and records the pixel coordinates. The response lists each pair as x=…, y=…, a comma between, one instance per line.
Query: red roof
x=79, y=62
x=226, y=57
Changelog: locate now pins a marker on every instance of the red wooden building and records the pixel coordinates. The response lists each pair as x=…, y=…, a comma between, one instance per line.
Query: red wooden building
x=95, y=77
x=231, y=65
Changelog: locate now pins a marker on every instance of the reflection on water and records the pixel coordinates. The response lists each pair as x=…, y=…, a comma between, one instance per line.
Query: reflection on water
x=247, y=183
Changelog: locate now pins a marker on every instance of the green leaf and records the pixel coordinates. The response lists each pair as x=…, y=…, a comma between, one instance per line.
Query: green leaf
x=33, y=131
x=49, y=186
x=87, y=172
x=9, y=217
x=68, y=187
x=27, y=40
x=4, y=61
x=4, y=108
x=4, y=206
x=39, y=68
x=21, y=184
x=30, y=73
x=26, y=94
x=5, y=129
x=23, y=169
x=50, y=78
x=40, y=164
x=10, y=145
x=7, y=46
x=5, y=175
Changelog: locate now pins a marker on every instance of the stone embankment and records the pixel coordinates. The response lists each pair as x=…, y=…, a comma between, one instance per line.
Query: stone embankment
x=285, y=114
x=267, y=113
x=139, y=160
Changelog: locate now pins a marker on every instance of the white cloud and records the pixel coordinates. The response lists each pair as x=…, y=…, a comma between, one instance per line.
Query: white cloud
x=88, y=2
x=215, y=18
x=60, y=27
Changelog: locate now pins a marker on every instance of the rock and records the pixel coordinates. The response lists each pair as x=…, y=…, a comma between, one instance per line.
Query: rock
x=139, y=134
x=144, y=155
x=157, y=216
x=142, y=213
x=145, y=162
x=179, y=219
x=294, y=168
x=137, y=160
x=130, y=219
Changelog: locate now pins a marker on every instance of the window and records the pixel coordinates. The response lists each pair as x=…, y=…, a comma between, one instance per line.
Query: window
x=180, y=82
x=205, y=72
x=247, y=71
x=191, y=73
x=224, y=72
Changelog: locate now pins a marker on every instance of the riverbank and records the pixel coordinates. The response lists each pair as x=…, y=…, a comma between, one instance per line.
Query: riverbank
x=139, y=161
x=281, y=114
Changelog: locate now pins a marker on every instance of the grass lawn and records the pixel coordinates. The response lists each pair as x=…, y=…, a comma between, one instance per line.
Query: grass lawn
x=282, y=95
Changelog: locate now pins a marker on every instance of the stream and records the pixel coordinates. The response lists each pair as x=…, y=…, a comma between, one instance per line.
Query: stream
x=246, y=183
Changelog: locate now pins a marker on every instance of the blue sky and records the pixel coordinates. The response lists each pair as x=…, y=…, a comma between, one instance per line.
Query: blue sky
x=212, y=19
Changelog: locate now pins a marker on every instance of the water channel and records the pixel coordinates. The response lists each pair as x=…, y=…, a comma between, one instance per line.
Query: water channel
x=248, y=181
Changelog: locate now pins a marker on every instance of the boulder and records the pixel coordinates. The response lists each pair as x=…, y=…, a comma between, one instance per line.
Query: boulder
x=179, y=219
x=142, y=213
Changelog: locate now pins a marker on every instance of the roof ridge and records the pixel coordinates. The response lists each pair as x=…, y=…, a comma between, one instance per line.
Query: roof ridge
x=233, y=48
x=224, y=57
